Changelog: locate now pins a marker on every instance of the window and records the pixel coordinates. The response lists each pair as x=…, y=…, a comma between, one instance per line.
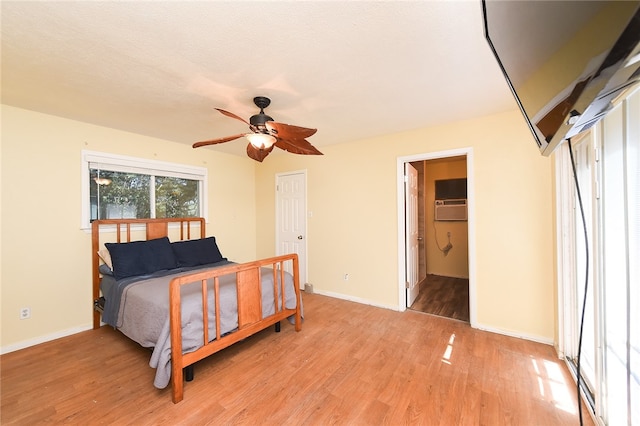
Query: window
x=116, y=187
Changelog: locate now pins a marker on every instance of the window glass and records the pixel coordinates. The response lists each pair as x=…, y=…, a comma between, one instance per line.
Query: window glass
x=117, y=195
x=176, y=197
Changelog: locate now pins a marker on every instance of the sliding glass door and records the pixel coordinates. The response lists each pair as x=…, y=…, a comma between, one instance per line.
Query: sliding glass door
x=606, y=264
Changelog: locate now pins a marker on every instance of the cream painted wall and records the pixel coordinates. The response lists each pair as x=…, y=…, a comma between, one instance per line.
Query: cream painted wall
x=351, y=192
x=352, y=195
x=46, y=256
x=456, y=262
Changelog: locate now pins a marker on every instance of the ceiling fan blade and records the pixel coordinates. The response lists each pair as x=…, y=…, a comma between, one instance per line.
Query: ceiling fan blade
x=297, y=146
x=232, y=115
x=258, y=154
x=219, y=140
x=287, y=131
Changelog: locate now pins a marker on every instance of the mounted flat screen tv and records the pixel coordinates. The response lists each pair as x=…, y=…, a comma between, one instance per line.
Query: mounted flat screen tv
x=451, y=189
x=565, y=61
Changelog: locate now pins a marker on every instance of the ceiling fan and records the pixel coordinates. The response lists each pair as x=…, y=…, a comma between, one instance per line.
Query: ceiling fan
x=266, y=133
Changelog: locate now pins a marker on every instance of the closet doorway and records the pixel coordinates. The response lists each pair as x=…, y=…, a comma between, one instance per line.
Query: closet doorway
x=445, y=273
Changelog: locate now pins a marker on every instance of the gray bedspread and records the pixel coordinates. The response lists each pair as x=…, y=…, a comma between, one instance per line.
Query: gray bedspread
x=143, y=314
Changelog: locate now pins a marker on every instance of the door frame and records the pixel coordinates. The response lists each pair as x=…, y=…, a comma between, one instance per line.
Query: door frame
x=303, y=271
x=468, y=153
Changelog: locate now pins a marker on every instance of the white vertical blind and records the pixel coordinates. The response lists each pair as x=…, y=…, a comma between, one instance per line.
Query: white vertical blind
x=620, y=257
x=633, y=228
x=615, y=265
x=608, y=167
x=583, y=156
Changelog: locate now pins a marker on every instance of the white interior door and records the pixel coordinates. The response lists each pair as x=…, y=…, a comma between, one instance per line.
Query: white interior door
x=411, y=233
x=291, y=218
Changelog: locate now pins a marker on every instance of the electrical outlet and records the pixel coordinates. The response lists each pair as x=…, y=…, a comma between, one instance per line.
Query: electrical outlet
x=25, y=313
x=346, y=277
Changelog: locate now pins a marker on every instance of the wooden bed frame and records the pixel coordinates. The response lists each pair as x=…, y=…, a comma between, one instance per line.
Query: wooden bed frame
x=248, y=279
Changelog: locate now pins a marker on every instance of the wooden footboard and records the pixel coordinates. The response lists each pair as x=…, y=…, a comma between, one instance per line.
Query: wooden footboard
x=250, y=319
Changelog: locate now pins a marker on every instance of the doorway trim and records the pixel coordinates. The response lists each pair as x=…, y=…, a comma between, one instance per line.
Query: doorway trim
x=468, y=153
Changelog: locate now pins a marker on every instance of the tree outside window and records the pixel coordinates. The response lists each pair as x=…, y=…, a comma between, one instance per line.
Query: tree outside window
x=176, y=197
x=120, y=195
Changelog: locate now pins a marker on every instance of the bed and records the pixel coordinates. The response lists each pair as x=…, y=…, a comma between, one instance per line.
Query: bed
x=165, y=285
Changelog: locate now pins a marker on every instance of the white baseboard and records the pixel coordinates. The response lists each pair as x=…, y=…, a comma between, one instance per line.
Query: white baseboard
x=42, y=339
x=354, y=299
x=511, y=333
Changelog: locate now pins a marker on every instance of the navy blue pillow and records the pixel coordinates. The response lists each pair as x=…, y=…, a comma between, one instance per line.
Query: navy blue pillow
x=141, y=257
x=197, y=252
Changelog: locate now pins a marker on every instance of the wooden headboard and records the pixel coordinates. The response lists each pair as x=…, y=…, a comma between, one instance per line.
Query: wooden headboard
x=126, y=230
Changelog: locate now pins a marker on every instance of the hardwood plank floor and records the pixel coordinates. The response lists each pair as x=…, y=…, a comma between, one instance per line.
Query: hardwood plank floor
x=351, y=364
x=444, y=296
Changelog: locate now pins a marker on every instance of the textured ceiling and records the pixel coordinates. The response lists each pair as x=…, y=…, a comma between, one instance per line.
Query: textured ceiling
x=352, y=69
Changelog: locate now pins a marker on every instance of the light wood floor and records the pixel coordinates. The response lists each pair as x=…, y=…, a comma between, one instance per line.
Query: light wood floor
x=444, y=296
x=350, y=364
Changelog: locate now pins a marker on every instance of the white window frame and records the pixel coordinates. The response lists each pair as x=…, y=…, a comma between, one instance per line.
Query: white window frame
x=126, y=164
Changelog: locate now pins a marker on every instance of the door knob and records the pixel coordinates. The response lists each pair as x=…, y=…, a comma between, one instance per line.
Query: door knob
x=299, y=237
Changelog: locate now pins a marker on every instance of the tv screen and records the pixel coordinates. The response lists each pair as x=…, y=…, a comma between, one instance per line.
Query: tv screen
x=565, y=61
x=451, y=189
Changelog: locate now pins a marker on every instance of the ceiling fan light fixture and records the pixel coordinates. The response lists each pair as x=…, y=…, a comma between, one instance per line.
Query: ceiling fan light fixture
x=261, y=140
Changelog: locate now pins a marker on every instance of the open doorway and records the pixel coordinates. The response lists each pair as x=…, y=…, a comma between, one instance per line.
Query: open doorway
x=446, y=257
x=443, y=238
